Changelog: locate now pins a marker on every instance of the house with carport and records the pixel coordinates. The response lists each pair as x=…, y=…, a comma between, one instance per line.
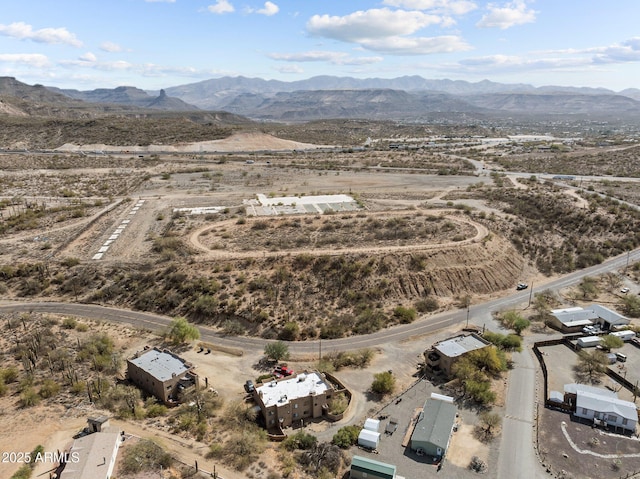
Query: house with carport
x=601, y=407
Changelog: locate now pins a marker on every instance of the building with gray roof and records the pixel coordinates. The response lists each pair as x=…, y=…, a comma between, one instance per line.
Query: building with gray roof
x=161, y=373
x=573, y=319
x=432, y=432
x=92, y=456
x=443, y=355
x=601, y=406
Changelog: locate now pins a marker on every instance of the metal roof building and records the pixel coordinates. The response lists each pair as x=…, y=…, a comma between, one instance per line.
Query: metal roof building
x=460, y=345
x=92, y=456
x=363, y=467
x=161, y=373
x=433, y=430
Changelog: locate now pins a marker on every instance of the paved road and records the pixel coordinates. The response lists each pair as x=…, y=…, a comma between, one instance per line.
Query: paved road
x=424, y=326
x=517, y=455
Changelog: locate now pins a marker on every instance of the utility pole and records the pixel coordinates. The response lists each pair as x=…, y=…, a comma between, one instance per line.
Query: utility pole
x=467, y=315
x=530, y=294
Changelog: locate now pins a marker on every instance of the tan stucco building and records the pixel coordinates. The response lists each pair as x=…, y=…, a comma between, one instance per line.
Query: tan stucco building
x=161, y=373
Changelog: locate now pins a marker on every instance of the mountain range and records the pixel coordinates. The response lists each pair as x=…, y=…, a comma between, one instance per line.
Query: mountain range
x=408, y=98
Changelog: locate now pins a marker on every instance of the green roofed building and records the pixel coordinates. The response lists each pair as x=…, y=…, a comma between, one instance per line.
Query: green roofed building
x=361, y=467
x=433, y=430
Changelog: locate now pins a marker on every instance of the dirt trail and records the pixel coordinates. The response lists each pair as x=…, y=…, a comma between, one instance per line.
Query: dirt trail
x=481, y=233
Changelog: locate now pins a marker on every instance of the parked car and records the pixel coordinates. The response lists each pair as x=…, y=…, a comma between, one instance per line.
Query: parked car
x=522, y=286
x=283, y=371
x=624, y=290
x=591, y=330
x=249, y=387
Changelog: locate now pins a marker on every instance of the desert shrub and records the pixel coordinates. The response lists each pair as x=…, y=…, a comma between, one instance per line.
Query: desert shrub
x=383, y=383
x=427, y=305
x=69, y=323
x=29, y=397
x=146, y=455
x=346, y=436
x=9, y=375
x=338, y=404
x=49, y=389
x=404, y=315
x=300, y=440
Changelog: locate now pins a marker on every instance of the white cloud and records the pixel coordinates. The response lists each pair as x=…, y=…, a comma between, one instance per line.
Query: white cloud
x=35, y=60
x=220, y=7
x=627, y=52
x=160, y=1
x=370, y=24
x=388, y=31
x=88, y=57
x=289, y=69
x=336, y=58
x=269, y=9
x=110, y=47
x=455, y=7
x=509, y=15
x=23, y=31
x=417, y=45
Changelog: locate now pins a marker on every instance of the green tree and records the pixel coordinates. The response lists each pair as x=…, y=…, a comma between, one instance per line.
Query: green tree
x=542, y=306
x=383, y=383
x=180, y=331
x=609, y=342
x=277, y=351
x=592, y=364
x=631, y=306
x=520, y=325
x=346, y=436
x=509, y=318
x=588, y=287
x=489, y=422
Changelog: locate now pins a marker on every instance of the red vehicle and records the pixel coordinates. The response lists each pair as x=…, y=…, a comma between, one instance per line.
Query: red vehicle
x=283, y=371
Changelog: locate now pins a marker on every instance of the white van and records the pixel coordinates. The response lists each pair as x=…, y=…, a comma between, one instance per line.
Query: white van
x=621, y=357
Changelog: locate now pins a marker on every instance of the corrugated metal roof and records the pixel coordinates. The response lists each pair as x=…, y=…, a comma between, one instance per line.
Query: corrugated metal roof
x=460, y=345
x=160, y=365
x=380, y=467
x=575, y=388
x=94, y=453
x=436, y=423
x=608, y=405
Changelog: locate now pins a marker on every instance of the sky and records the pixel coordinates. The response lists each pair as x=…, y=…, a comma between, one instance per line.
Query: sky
x=153, y=44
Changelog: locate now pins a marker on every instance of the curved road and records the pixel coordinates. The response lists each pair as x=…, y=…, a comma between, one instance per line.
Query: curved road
x=429, y=324
x=517, y=455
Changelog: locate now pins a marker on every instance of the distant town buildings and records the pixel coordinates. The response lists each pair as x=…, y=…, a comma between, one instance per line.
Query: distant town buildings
x=161, y=374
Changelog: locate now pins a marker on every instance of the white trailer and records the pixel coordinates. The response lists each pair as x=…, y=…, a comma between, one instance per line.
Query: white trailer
x=625, y=335
x=589, y=341
x=369, y=439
